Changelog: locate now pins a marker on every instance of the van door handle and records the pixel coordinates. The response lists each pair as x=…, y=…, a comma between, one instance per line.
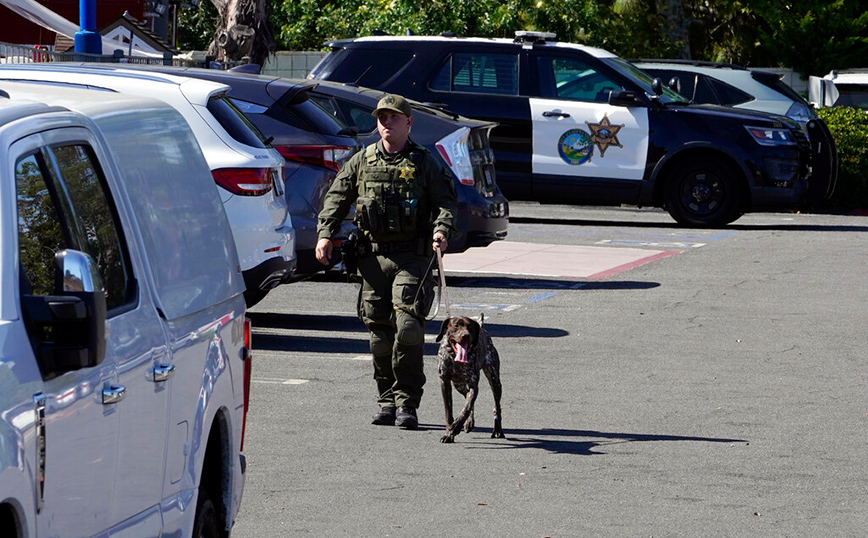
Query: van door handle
x=555, y=114
x=162, y=372
x=113, y=394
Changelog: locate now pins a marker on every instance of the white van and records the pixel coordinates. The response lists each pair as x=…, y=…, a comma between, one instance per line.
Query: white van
x=841, y=87
x=248, y=171
x=124, y=346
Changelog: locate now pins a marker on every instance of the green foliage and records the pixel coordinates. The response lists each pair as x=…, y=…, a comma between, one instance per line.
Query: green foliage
x=809, y=36
x=815, y=37
x=196, y=26
x=849, y=128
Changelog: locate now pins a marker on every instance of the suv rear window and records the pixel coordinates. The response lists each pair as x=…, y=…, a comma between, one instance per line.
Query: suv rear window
x=479, y=73
x=368, y=67
x=231, y=119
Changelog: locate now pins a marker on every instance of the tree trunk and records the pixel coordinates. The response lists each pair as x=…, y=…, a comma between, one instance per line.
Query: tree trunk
x=675, y=24
x=242, y=31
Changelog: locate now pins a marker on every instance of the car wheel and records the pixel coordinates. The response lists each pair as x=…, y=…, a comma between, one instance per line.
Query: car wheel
x=206, y=517
x=703, y=192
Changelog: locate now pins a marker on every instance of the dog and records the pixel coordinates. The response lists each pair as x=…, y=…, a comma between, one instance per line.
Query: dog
x=465, y=350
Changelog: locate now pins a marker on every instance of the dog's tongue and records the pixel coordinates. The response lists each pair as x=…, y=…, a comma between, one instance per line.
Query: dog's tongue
x=460, y=353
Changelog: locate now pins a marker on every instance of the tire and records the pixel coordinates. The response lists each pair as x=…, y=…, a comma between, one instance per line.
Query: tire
x=206, y=525
x=703, y=192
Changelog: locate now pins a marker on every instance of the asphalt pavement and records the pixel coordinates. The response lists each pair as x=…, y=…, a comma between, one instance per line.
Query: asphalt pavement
x=661, y=381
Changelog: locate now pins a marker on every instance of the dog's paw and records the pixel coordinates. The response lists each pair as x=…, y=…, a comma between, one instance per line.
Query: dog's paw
x=448, y=438
x=468, y=426
x=497, y=435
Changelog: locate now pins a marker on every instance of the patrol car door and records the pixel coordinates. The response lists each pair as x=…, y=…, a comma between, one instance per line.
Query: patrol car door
x=579, y=140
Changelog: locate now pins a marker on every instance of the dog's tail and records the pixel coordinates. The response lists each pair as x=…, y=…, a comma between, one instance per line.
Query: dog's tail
x=481, y=318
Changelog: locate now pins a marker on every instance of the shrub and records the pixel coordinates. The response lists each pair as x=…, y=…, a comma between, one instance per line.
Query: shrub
x=849, y=127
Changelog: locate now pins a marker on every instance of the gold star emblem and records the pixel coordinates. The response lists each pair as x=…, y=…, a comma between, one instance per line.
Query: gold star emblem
x=604, y=134
x=406, y=174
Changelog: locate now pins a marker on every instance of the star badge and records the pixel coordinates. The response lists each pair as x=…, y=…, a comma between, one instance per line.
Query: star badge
x=406, y=174
x=604, y=134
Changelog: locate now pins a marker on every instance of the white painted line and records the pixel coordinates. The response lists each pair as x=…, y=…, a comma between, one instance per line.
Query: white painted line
x=655, y=244
x=274, y=381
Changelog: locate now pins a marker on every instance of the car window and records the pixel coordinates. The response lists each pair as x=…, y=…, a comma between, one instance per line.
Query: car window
x=644, y=80
x=685, y=79
x=704, y=92
x=63, y=203
x=310, y=116
x=368, y=67
x=231, y=119
x=854, y=95
x=727, y=94
x=573, y=78
x=479, y=73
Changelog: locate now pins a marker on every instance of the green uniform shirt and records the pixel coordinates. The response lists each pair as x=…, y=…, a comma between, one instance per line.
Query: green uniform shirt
x=413, y=172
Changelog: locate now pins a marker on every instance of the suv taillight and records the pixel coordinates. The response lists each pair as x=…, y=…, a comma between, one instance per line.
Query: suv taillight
x=330, y=157
x=244, y=181
x=247, y=366
x=455, y=150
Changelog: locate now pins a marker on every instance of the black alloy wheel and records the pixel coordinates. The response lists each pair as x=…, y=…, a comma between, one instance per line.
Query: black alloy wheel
x=703, y=193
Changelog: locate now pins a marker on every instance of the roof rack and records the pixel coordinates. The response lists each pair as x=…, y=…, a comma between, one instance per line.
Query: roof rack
x=532, y=38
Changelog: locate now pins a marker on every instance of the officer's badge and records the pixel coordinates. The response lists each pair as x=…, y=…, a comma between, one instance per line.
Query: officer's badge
x=407, y=174
x=604, y=134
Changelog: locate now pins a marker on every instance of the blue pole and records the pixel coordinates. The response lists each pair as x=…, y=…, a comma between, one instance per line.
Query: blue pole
x=87, y=39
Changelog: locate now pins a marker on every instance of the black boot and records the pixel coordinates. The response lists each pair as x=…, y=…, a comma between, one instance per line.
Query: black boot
x=406, y=418
x=384, y=417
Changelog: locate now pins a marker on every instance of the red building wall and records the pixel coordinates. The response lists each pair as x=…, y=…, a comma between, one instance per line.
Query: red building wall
x=16, y=29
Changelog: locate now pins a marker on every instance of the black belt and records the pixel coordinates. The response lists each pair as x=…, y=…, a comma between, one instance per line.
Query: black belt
x=394, y=246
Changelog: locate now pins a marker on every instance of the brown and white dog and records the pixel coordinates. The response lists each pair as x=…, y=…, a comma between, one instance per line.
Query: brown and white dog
x=464, y=352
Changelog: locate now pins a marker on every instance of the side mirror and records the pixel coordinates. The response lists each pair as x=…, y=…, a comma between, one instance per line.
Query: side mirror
x=657, y=86
x=623, y=98
x=674, y=84
x=67, y=329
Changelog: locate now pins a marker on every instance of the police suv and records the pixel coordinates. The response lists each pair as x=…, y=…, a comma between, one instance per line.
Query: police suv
x=579, y=125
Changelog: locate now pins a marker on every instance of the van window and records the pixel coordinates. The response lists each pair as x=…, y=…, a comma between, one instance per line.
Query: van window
x=63, y=203
x=479, y=73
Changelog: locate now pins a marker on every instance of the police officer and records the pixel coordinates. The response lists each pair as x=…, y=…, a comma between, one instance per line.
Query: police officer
x=405, y=206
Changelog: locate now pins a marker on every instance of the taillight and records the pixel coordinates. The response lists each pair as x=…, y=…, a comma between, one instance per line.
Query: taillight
x=330, y=157
x=455, y=150
x=247, y=366
x=244, y=181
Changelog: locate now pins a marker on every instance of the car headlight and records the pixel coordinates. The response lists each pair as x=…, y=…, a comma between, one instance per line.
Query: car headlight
x=767, y=136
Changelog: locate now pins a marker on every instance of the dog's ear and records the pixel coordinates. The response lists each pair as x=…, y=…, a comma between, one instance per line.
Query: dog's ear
x=443, y=327
x=474, y=329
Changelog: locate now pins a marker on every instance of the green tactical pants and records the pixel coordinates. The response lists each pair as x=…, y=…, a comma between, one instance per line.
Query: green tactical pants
x=394, y=298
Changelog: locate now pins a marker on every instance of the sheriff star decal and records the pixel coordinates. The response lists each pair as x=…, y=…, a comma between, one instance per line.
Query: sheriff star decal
x=604, y=134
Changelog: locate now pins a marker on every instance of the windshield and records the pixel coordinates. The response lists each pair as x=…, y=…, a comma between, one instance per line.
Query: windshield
x=644, y=80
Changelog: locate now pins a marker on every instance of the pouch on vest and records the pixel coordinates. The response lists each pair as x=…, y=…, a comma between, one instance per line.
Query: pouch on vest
x=393, y=202
x=368, y=214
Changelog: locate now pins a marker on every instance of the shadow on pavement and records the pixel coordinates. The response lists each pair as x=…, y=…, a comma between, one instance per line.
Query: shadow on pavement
x=573, y=441
x=733, y=226
x=544, y=283
x=356, y=340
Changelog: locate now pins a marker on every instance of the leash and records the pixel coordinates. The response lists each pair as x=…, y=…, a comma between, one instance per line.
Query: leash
x=441, y=287
x=442, y=281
